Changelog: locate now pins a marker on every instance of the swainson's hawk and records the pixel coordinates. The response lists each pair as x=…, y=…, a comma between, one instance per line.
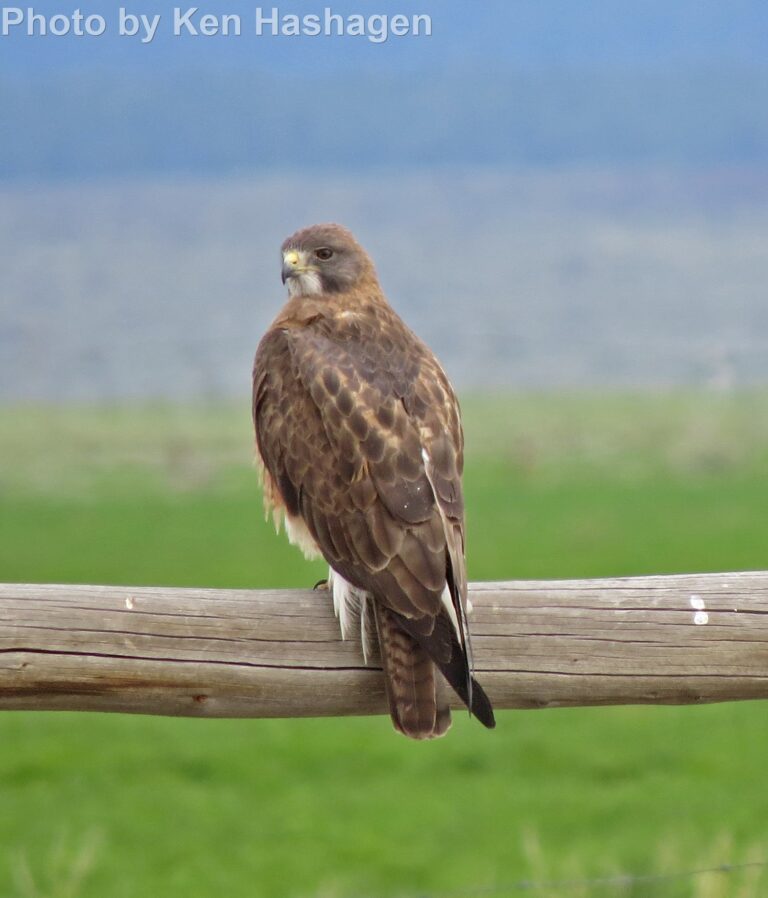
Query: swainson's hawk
x=358, y=430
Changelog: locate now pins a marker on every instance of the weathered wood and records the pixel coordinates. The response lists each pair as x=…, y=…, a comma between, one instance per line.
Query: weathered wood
x=240, y=653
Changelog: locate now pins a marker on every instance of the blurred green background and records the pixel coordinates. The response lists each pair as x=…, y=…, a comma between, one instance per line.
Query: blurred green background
x=557, y=486
x=564, y=199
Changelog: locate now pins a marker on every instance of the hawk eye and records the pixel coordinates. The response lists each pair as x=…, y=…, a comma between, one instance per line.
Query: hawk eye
x=324, y=253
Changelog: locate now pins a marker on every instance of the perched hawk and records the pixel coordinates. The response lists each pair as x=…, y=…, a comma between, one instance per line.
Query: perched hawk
x=358, y=431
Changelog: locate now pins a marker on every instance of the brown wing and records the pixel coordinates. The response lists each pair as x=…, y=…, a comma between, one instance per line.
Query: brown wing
x=359, y=430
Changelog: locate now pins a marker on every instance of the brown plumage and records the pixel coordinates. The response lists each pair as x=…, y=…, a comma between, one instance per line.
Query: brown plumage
x=359, y=433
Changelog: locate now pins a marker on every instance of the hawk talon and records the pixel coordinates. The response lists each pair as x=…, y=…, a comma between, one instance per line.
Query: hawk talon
x=322, y=584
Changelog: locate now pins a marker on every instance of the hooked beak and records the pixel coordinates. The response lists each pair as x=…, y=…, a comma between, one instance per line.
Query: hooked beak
x=292, y=266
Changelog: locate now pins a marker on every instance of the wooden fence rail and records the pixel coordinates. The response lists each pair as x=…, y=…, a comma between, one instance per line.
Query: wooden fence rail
x=261, y=653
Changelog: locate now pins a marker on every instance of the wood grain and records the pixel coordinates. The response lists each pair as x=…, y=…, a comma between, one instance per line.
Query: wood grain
x=260, y=653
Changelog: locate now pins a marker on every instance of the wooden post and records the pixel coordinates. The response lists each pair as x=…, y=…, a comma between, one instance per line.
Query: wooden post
x=261, y=653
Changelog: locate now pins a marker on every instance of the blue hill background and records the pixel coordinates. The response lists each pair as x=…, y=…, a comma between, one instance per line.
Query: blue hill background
x=503, y=83
x=609, y=156
x=535, y=33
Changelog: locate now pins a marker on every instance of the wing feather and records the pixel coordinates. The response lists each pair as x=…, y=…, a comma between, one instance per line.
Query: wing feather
x=356, y=441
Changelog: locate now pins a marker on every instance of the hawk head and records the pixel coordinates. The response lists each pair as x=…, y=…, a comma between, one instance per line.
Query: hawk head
x=323, y=258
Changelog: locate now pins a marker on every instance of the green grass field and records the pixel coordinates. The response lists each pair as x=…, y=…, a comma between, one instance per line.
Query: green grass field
x=109, y=807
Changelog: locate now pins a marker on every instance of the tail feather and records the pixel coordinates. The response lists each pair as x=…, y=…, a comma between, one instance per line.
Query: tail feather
x=477, y=701
x=417, y=705
x=438, y=638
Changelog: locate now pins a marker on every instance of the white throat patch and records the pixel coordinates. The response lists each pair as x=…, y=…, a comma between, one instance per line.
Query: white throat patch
x=306, y=283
